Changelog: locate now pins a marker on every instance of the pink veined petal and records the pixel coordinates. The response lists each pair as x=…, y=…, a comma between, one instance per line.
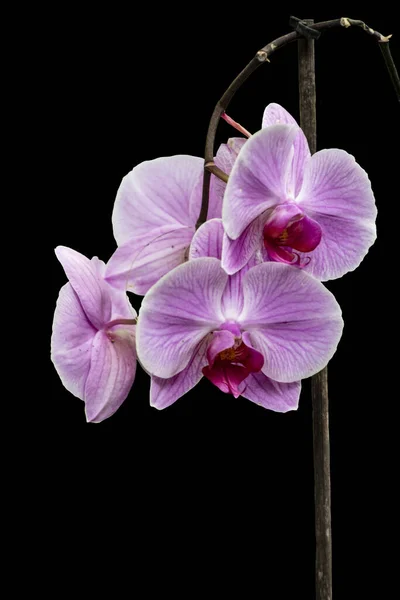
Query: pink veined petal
x=121, y=307
x=164, y=392
x=343, y=245
x=99, y=266
x=337, y=194
x=71, y=341
x=259, y=177
x=224, y=159
x=228, y=153
x=177, y=313
x=136, y=267
x=275, y=114
x=280, y=397
x=237, y=253
x=154, y=194
x=90, y=288
x=232, y=299
x=112, y=373
x=292, y=319
x=220, y=340
x=207, y=241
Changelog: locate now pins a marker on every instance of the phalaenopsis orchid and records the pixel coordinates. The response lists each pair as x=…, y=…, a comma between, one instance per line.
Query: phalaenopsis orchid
x=251, y=315
x=230, y=254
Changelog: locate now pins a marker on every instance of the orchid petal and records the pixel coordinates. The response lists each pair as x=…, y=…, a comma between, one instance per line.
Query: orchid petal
x=280, y=397
x=71, y=341
x=227, y=154
x=136, y=267
x=237, y=253
x=157, y=193
x=177, y=313
x=224, y=159
x=293, y=320
x=112, y=372
x=259, y=177
x=87, y=283
x=275, y=114
x=121, y=307
x=337, y=194
x=164, y=392
x=207, y=241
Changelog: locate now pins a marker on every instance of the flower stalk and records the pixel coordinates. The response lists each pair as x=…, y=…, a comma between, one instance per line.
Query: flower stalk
x=319, y=382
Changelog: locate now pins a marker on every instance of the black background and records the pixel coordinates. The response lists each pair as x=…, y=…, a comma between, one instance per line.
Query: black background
x=133, y=85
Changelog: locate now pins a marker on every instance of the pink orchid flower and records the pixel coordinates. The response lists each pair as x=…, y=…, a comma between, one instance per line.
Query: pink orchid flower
x=254, y=334
x=317, y=212
x=93, y=339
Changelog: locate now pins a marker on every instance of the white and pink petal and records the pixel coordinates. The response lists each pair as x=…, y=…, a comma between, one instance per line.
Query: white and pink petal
x=71, y=341
x=112, y=372
x=259, y=178
x=84, y=276
x=237, y=253
x=270, y=394
x=208, y=241
x=177, y=313
x=275, y=114
x=136, y=267
x=337, y=194
x=164, y=392
x=292, y=319
x=157, y=193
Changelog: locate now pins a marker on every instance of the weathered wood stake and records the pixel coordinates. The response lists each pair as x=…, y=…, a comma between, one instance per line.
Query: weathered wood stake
x=319, y=383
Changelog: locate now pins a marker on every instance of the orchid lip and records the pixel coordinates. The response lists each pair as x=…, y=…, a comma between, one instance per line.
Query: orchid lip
x=230, y=367
x=288, y=232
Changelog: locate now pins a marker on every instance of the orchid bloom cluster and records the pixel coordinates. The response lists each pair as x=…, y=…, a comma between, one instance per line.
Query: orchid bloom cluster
x=239, y=300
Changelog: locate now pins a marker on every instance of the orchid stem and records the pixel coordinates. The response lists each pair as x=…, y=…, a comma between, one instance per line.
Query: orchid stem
x=261, y=57
x=319, y=383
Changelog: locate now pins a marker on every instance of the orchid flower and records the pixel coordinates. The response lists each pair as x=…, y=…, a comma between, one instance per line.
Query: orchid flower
x=316, y=212
x=93, y=339
x=155, y=215
x=254, y=334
